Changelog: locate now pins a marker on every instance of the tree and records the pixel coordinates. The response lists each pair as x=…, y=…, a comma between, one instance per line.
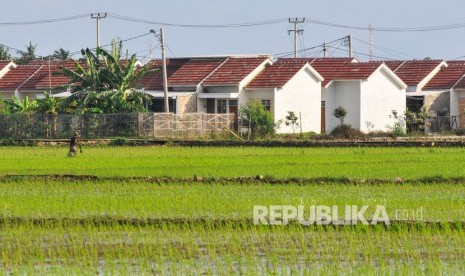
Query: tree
x=4, y=53
x=258, y=120
x=61, y=54
x=103, y=84
x=4, y=108
x=28, y=55
x=25, y=106
x=340, y=113
x=291, y=120
x=49, y=105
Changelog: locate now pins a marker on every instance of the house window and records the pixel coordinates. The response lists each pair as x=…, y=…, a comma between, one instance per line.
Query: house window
x=158, y=105
x=221, y=106
x=267, y=105
x=232, y=103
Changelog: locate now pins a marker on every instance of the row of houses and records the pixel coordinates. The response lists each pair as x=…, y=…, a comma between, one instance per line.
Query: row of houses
x=310, y=87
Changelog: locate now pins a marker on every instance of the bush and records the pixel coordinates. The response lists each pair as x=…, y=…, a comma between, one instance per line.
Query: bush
x=347, y=132
x=460, y=132
x=260, y=121
x=119, y=142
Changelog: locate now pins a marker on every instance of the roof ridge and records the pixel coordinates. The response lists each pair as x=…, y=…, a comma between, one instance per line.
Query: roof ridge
x=400, y=65
x=457, y=82
x=30, y=77
x=216, y=69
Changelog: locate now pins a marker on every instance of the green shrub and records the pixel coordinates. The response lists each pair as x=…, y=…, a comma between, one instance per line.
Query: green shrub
x=347, y=132
x=460, y=132
x=258, y=120
x=119, y=142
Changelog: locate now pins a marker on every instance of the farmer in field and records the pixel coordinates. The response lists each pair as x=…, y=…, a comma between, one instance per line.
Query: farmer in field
x=73, y=143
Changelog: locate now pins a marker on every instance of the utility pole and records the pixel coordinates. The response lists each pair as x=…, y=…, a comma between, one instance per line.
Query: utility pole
x=349, y=41
x=161, y=36
x=325, y=49
x=98, y=16
x=296, y=31
x=371, y=42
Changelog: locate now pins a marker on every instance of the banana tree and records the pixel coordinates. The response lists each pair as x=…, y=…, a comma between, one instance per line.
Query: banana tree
x=49, y=106
x=105, y=84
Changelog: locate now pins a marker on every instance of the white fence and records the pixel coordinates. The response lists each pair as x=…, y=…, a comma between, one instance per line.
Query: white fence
x=160, y=125
x=138, y=125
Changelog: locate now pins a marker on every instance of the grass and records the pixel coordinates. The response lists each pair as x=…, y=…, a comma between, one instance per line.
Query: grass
x=382, y=163
x=135, y=226
x=234, y=201
x=199, y=249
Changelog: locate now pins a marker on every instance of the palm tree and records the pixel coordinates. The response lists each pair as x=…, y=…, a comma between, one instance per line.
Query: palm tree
x=61, y=54
x=4, y=53
x=28, y=55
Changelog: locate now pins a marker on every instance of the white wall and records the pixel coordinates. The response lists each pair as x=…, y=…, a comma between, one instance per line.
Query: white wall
x=347, y=94
x=380, y=96
x=302, y=95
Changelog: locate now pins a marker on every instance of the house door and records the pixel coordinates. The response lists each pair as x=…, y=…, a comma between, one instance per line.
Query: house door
x=233, y=110
x=323, y=117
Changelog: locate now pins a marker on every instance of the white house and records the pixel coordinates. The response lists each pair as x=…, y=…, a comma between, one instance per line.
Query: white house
x=289, y=86
x=447, y=88
x=417, y=74
x=184, y=78
x=369, y=92
x=223, y=91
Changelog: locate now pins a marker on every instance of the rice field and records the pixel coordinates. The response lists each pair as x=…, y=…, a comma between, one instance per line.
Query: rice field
x=119, y=224
x=388, y=163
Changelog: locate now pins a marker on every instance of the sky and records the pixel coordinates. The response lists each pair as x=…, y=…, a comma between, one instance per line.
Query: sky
x=274, y=39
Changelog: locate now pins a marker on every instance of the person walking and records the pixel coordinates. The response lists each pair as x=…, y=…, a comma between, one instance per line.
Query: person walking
x=73, y=142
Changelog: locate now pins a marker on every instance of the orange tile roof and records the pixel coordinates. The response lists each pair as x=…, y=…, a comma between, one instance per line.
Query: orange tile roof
x=4, y=63
x=181, y=72
x=337, y=68
x=234, y=70
x=412, y=72
x=448, y=77
x=16, y=77
x=276, y=75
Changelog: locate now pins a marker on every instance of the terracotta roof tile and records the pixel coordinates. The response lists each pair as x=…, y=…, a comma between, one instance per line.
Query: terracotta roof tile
x=4, y=63
x=276, y=75
x=412, y=72
x=37, y=76
x=448, y=76
x=234, y=70
x=338, y=68
x=182, y=72
x=194, y=71
x=15, y=77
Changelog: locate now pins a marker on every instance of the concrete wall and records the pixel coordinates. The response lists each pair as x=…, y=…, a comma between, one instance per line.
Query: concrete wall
x=461, y=107
x=302, y=95
x=187, y=104
x=6, y=95
x=347, y=94
x=454, y=102
x=380, y=96
x=438, y=103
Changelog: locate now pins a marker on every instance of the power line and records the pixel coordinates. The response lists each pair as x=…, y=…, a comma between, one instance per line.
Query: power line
x=387, y=50
x=110, y=44
x=235, y=25
x=43, y=21
x=239, y=25
x=390, y=29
